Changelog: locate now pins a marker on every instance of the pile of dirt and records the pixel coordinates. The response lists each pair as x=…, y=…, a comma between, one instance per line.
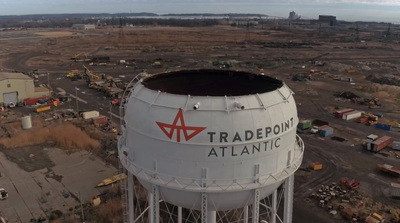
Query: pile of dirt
x=383, y=90
x=65, y=135
x=385, y=79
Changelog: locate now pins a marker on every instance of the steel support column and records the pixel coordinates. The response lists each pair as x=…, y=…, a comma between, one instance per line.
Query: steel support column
x=288, y=199
x=155, y=203
x=131, y=187
x=179, y=214
x=274, y=206
x=256, y=206
x=204, y=208
x=246, y=214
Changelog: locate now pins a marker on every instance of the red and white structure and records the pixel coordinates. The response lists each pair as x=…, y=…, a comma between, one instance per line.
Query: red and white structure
x=207, y=142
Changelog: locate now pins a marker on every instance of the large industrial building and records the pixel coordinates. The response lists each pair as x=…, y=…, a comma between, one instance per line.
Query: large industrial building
x=83, y=26
x=16, y=87
x=330, y=19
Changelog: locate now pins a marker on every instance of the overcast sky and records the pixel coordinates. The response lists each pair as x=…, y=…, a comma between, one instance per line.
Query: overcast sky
x=352, y=10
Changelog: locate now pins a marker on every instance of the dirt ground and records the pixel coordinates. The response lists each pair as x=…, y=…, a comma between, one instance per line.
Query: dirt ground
x=280, y=53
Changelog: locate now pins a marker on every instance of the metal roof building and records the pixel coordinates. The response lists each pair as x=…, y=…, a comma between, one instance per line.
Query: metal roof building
x=16, y=87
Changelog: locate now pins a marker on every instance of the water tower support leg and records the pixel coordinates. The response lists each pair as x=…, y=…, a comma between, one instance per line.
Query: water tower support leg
x=211, y=216
x=256, y=206
x=156, y=204
x=246, y=214
x=131, y=187
x=288, y=199
x=151, y=206
x=204, y=208
x=179, y=214
x=274, y=206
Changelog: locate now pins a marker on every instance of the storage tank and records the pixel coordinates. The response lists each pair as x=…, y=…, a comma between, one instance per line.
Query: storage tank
x=26, y=122
x=210, y=138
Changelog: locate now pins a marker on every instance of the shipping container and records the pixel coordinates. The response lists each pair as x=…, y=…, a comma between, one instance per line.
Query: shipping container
x=351, y=115
x=32, y=101
x=381, y=143
x=339, y=114
x=396, y=145
x=304, y=124
x=42, y=108
x=97, y=121
x=325, y=131
x=395, y=190
x=382, y=126
x=392, y=170
x=90, y=114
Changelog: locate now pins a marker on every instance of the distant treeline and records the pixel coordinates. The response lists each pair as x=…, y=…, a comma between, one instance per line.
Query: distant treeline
x=120, y=22
x=117, y=19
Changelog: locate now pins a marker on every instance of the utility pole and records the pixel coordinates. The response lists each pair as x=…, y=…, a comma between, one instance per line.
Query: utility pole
x=110, y=113
x=80, y=200
x=76, y=99
x=48, y=83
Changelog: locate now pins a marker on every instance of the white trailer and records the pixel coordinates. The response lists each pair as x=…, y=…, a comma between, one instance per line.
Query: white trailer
x=352, y=115
x=90, y=114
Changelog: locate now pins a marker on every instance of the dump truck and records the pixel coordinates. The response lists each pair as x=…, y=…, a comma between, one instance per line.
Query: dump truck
x=112, y=180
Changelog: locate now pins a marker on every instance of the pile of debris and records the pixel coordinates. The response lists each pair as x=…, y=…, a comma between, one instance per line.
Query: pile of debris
x=385, y=79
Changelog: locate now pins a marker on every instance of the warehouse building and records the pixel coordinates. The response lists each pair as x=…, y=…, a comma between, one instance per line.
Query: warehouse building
x=16, y=87
x=331, y=20
x=83, y=26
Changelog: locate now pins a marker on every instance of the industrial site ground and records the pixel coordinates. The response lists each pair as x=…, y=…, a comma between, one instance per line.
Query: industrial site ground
x=37, y=172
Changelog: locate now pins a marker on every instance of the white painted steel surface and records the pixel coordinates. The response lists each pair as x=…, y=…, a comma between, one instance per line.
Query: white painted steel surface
x=218, y=147
x=26, y=122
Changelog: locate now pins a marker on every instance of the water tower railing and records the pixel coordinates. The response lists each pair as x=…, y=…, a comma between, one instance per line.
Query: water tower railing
x=211, y=184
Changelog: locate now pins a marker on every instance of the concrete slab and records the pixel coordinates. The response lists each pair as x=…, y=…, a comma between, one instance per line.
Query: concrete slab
x=34, y=194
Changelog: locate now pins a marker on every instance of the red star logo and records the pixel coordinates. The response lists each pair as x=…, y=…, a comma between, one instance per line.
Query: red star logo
x=179, y=117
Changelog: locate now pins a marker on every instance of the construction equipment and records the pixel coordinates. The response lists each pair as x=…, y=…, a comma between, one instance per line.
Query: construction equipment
x=74, y=75
x=76, y=56
x=351, y=184
x=316, y=166
x=3, y=194
x=112, y=180
x=92, y=76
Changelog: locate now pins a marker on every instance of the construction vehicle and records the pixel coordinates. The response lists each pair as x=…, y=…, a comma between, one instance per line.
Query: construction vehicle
x=90, y=76
x=316, y=166
x=374, y=218
x=3, y=194
x=112, y=180
x=395, y=215
x=75, y=57
x=74, y=75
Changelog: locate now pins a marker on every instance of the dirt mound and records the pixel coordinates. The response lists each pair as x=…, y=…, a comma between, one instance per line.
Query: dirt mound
x=383, y=90
x=66, y=136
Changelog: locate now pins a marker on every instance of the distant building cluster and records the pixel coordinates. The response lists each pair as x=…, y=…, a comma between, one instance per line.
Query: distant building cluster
x=330, y=19
x=83, y=26
x=293, y=16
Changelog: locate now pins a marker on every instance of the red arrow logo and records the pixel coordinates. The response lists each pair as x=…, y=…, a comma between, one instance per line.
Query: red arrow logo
x=179, y=117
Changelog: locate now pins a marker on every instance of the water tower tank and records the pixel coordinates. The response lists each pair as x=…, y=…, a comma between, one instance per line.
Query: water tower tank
x=220, y=132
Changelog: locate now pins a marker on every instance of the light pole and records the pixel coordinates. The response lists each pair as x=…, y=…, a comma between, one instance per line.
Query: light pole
x=76, y=99
x=80, y=200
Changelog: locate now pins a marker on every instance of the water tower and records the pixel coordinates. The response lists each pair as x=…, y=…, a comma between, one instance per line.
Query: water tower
x=211, y=141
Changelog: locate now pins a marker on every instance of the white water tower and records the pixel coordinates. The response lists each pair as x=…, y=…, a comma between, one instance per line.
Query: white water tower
x=211, y=141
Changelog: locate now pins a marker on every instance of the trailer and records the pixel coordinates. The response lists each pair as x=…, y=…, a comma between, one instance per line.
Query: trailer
x=98, y=121
x=381, y=143
x=395, y=190
x=362, y=119
x=392, y=170
x=90, y=114
x=351, y=115
x=339, y=114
